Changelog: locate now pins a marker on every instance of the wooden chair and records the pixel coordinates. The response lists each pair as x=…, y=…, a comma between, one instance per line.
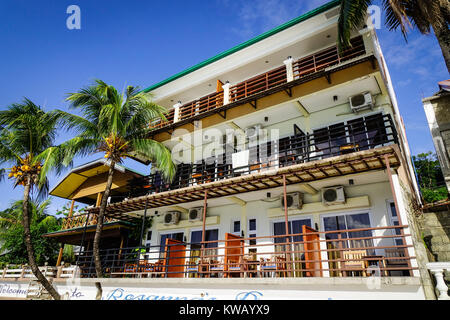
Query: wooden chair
x=130, y=268
x=192, y=269
x=276, y=265
x=216, y=267
x=147, y=269
x=353, y=262
x=238, y=267
x=392, y=260
x=251, y=265
x=159, y=268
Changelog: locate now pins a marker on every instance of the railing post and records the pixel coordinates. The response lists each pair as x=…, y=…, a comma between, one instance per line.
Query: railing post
x=226, y=93
x=437, y=269
x=289, y=70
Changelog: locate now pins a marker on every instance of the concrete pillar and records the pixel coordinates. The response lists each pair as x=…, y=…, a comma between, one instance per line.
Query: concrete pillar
x=226, y=93
x=176, y=114
x=289, y=71
x=418, y=250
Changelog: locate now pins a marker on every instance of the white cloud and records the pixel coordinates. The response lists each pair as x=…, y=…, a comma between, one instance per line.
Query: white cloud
x=256, y=17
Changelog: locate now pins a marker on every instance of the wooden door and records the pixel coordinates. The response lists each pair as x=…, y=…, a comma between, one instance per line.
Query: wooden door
x=175, y=258
x=234, y=250
x=312, y=253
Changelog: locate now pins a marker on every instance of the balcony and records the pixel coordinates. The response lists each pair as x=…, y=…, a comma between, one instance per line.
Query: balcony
x=82, y=220
x=266, y=82
x=360, y=134
x=360, y=252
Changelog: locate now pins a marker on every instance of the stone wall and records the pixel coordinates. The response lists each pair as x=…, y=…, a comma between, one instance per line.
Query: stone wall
x=435, y=228
x=438, y=117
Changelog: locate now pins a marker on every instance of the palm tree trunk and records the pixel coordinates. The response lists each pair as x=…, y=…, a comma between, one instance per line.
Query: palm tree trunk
x=98, y=231
x=30, y=250
x=442, y=33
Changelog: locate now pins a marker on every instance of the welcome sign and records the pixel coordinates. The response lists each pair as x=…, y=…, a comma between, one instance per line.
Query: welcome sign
x=13, y=290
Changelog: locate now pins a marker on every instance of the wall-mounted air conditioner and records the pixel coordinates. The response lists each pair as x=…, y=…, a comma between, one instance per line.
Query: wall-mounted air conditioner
x=171, y=217
x=333, y=195
x=361, y=101
x=196, y=214
x=293, y=200
x=240, y=160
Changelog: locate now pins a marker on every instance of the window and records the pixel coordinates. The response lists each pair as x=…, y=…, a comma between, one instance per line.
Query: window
x=357, y=134
x=196, y=243
x=294, y=226
x=236, y=227
x=349, y=222
x=368, y=132
x=395, y=222
x=252, y=231
x=175, y=236
x=149, y=237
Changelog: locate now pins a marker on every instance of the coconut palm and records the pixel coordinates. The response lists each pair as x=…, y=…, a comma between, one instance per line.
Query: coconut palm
x=27, y=135
x=117, y=125
x=425, y=15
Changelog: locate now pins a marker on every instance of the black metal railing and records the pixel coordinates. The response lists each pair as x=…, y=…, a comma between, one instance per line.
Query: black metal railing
x=355, y=135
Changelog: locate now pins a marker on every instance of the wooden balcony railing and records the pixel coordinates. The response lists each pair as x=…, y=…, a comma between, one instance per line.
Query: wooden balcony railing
x=326, y=58
x=340, y=253
x=202, y=105
x=82, y=220
x=263, y=82
x=258, y=84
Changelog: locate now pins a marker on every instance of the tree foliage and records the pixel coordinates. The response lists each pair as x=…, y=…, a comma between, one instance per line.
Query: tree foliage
x=431, y=179
x=424, y=15
x=11, y=236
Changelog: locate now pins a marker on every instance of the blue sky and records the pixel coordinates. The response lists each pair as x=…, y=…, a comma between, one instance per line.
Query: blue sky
x=143, y=42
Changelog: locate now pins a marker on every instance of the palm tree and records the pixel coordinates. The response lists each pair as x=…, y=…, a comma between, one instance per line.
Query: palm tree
x=27, y=134
x=117, y=125
x=425, y=15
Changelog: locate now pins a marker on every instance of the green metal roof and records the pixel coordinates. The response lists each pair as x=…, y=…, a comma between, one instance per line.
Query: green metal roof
x=248, y=43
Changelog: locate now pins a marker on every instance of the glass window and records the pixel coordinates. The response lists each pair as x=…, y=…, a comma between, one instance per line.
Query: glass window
x=252, y=225
x=210, y=235
x=349, y=222
x=252, y=242
x=294, y=227
x=395, y=222
x=175, y=236
x=236, y=226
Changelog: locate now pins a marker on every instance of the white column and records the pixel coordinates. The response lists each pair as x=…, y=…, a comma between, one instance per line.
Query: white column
x=289, y=71
x=437, y=269
x=226, y=93
x=176, y=114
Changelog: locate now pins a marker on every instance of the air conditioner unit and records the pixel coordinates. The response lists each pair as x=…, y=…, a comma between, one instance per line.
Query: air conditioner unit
x=253, y=131
x=171, y=217
x=196, y=214
x=361, y=101
x=293, y=200
x=240, y=160
x=333, y=195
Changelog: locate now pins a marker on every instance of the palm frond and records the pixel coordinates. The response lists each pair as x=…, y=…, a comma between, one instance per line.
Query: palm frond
x=158, y=153
x=352, y=15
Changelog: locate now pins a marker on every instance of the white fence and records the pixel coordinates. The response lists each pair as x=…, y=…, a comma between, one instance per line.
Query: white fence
x=25, y=272
x=437, y=269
